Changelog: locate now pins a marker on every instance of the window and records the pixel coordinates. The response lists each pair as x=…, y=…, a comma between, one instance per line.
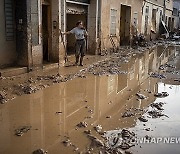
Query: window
x=9, y=19
x=113, y=14
x=147, y=10
x=175, y=12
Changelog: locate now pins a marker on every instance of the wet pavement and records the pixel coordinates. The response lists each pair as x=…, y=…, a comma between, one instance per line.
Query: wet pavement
x=100, y=109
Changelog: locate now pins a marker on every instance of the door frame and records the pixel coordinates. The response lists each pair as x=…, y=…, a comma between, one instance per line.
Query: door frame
x=49, y=16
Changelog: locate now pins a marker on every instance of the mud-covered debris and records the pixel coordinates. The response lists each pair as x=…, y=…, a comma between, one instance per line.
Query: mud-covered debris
x=90, y=111
x=67, y=142
x=22, y=130
x=126, y=145
x=128, y=152
x=28, y=89
x=82, y=124
x=143, y=119
x=147, y=129
x=126, y=134
x=141, y=96
x=162, y=67
x=157, y=75
x=161, y=95
x=128, y=114
x=87, y=131
x=98, y=128
x=59, y=112
x=3, y=96
x=95, y=141
x=158, y=105
x=156, y=114
x=40, y=151
x=148, y=137
x=30, y=80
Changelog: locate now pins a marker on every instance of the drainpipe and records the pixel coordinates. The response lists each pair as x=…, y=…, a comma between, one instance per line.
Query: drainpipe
x=164, y=11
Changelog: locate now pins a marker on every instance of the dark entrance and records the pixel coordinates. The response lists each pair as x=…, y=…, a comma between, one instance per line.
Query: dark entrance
x=45, y=31
x=71, y=23
x=125, y=25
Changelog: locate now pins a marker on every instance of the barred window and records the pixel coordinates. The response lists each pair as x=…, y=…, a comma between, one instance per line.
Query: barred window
x=113, y=15
x=9, y=19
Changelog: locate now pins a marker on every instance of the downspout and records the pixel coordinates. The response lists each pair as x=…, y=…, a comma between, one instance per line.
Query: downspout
x=164, y=10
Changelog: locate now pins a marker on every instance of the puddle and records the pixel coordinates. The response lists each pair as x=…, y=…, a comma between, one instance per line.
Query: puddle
x=53, y=114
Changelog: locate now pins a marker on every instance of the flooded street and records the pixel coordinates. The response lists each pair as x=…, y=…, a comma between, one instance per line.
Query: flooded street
x=89, y=113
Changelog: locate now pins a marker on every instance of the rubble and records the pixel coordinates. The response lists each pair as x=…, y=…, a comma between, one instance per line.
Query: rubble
x=67, y=142
x=82, y=124
x=22, y=130
x=3, y=97
x=156, y=114
x=157, y=75
x=161, y=95
x=143, y=119
x=98, y=128
x=128, y=114
x=95, y=141
x=141, y=96
x=87, y=131
x=40, y=151
x=158, y=105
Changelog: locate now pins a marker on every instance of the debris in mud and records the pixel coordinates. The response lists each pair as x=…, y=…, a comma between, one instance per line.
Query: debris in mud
x=107, y=67
x=67, y=142
x=156, y=75
x=87, y=131
x=40, y=151
x=128, y=152
x=59, y=112
x=95, y=141
x=98, y=128
x=128, y=114
x=158, y=105
x=108, y=117
x=143, y=119
x=161, y=95
x=147, y=129
x=156, y=114
x=82, y=124
x=21, y=131
x=127, y=134
x=3, y=96
x=141, y=96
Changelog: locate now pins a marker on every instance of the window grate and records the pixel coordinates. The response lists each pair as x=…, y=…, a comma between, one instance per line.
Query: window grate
x=9, y=19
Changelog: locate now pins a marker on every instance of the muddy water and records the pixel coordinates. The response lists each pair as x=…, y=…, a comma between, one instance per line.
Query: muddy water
x=53, y=113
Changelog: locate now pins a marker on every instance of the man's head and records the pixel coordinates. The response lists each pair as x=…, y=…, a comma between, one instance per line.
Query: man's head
x=79, y=24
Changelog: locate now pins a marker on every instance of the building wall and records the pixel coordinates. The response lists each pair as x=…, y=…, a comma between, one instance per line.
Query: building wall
x=152, y=5
x=106, y=6
x=176, y=17
x=8, y=48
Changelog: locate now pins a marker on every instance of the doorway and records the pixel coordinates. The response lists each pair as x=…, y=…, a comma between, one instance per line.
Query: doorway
x=125, y=21
x=71, y=23
x=45, y=31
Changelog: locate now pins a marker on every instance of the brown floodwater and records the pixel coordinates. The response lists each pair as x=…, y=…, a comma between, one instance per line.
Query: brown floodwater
x=54, y=112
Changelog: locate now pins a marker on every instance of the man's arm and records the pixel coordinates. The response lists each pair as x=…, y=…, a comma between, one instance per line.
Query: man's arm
x=66, y=33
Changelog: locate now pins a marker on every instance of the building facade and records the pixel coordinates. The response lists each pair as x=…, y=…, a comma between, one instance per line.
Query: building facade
x=30, y=30
x=176, y=14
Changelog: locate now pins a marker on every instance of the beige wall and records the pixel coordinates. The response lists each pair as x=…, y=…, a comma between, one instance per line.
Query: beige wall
x=106, y=6
x=7, y=48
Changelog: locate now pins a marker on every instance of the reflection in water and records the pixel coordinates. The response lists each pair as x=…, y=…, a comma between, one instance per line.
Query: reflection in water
x=103, y=96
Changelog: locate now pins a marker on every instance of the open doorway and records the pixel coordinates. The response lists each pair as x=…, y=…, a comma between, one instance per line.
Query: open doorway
x=45, y=31
x=71, y=23
x=125, y=25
